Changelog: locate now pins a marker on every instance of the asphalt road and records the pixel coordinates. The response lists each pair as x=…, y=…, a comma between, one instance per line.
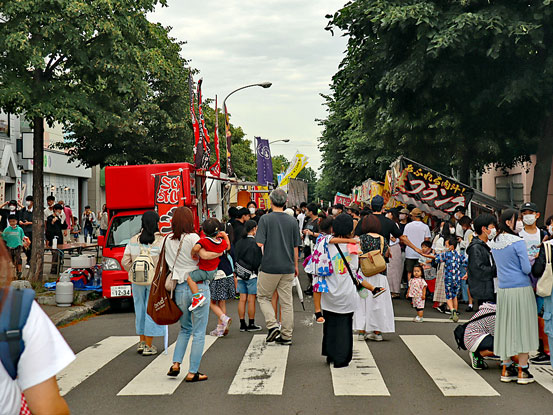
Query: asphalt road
x=308, y=386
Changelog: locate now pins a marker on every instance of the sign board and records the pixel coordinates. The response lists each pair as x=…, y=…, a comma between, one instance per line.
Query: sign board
x=343, y=199
x=169, y=195
x=2, y=192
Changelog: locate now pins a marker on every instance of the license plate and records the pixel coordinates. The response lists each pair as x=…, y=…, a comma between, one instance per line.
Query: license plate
x=121, y=291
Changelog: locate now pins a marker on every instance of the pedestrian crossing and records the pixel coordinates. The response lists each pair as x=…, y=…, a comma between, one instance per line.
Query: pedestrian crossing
x=264, y=367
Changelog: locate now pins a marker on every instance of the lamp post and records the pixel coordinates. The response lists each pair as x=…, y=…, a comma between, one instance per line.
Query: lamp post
x=261, y=84
x=284, y=140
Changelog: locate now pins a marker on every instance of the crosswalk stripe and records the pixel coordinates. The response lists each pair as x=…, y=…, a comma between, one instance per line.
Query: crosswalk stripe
x=361, y=377
x=262, y=369
x=153, y=380
x=429, y=320
x=450, y=373
x=92, y=359
x=543, y=376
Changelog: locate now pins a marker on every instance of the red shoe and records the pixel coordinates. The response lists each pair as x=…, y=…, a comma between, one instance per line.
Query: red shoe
x=197, y=302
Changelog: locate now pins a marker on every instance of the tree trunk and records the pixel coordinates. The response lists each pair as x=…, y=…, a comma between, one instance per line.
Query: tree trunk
x=37, y=259
x=542, y=169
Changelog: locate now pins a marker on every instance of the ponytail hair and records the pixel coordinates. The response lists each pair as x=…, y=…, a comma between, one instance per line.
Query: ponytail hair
x=248, y=226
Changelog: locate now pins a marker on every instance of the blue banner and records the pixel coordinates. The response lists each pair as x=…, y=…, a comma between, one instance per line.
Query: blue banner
x=264, y=162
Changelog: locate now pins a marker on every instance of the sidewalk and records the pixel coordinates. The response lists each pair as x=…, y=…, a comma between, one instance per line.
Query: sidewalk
x=62, y=316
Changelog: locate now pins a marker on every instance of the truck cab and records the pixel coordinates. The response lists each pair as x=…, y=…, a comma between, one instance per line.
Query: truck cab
x=130, y=191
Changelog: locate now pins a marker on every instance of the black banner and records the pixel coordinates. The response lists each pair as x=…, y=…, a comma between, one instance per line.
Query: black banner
x=426, y=186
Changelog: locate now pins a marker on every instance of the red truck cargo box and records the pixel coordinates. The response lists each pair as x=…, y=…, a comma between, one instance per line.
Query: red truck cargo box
x=132, y=187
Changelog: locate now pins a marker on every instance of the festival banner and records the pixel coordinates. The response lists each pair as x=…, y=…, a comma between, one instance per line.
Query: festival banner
x=264, y=162
x=420, y=185
x=343, y=199
x=262, y=198
x=228, y=136
x=198, y=149
x=215, y=169
x=169, y=195
x=204, y=136
x=297, y=164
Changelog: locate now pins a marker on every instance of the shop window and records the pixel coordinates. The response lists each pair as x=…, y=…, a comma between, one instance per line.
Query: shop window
x=509, y=189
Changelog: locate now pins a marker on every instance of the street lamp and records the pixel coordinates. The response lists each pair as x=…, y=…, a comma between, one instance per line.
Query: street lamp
x=261, y=84
x=284, y=140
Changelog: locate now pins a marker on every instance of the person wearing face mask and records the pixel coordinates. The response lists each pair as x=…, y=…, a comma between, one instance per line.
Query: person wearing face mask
x=26, y=223
x=403, y=219
x=549, y=226
x=252, y=207
x=11, y=211
x=55, y=224
x=516, y=329
x=459, y=213
x=337, y=209
x=481, y=266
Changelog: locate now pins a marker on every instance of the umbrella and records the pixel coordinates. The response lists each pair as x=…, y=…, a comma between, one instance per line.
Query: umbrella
x=300, y=292
x=166, y=339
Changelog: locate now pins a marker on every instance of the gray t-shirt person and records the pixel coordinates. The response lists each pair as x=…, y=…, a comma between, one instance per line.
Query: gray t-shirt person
x=280, y=235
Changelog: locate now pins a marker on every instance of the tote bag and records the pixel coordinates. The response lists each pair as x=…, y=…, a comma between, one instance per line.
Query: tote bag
x=161, y=307
x=545, y=283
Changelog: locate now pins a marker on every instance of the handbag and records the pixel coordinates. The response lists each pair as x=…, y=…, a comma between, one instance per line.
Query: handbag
x=170, y=283
x=544, y=286
x=161, y=307
x=373, y=262
x=242, y=272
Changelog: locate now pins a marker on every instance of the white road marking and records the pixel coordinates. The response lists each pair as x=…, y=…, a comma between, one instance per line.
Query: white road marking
x=543, y=375
x=153, y=380
x=92, y=359
x=449, y=372
x=361, y=377
x=262, y=369
x=429, y=320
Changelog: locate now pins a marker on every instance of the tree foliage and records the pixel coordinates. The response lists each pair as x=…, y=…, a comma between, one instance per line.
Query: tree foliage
x=454, y=85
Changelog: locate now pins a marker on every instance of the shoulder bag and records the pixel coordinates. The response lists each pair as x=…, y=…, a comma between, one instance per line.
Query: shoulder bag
x=544, y=286
x=356, y=282
x=161, y=307
x=373, y=262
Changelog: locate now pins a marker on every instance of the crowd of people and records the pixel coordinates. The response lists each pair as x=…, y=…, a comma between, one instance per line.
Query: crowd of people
x=60, y=227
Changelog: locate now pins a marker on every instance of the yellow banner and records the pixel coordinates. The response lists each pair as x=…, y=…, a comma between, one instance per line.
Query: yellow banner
x=299, y=161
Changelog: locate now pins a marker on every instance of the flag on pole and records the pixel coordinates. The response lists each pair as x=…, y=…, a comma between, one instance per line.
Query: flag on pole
x=264, y=162
x=297, y=164
x=228, y=136
x=203, y=131
x=198, y=149
x=216, y=167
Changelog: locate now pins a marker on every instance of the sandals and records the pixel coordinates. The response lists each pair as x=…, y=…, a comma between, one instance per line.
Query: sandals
x=196, y=378
x=173, y=372
x=319, y=317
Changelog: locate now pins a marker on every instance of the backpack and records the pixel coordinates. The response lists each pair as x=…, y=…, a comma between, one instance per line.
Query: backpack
x=15, y=311
x=459, y=332
x=143, y=270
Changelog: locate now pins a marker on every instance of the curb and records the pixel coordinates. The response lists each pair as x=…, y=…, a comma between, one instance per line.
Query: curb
x=74, y=313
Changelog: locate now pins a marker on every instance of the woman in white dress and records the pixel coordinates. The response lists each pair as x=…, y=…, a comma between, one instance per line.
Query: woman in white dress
x=374, y=315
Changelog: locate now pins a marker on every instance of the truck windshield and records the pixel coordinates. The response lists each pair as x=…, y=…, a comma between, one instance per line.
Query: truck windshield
x=123, y=228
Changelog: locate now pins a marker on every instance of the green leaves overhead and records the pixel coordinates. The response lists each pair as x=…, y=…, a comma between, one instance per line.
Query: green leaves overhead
x=454, y=85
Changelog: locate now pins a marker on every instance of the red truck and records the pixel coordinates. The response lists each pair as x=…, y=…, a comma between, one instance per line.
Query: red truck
x=130, y=191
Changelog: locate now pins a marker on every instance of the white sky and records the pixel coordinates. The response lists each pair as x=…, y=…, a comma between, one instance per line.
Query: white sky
x=235, y=43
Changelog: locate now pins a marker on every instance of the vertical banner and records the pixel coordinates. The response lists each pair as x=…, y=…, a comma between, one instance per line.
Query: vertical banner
x=19, y=190
x=204, y=136
x=262, y=198
x=2, y=192
x=228, y=136
x=169, y=195
x=198, y=149
x=264, y=162
x=297, y=164
x=216, y=167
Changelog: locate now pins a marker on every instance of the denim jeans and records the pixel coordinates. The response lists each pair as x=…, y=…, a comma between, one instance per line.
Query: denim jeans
x=192, y=323
x=145, y=326
x=88, y=231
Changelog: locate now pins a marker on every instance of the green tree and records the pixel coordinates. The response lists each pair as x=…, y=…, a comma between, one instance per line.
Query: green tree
x=81, y=63
x=280, y=164
x=456, y=84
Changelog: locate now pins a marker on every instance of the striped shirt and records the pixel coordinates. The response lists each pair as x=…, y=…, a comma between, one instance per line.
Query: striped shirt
x=477, y=330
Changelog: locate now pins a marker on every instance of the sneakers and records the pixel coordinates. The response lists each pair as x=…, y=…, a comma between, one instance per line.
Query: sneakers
x=509, y=373
x=252, y=327
x=541, y=359
x=284, y=342
x=218, y=332
x=454, y=316
x=226, y=324
x=361, y=337
x=418, y=319
x=378, y=291
x=469, y=308
x=447, y=310
x=440, y=308
x=524, y=376
x=140, y=347
x=197, y=302
x=243, y=327
x=477, y=362
x=273, y=334
x=373, y=336
x=149, y=350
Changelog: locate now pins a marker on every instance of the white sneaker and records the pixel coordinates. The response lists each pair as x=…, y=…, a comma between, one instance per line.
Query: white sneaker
x=27, y=266
x=418, y=319
x=149, y=351
x=361, y=337
x=374, y=337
